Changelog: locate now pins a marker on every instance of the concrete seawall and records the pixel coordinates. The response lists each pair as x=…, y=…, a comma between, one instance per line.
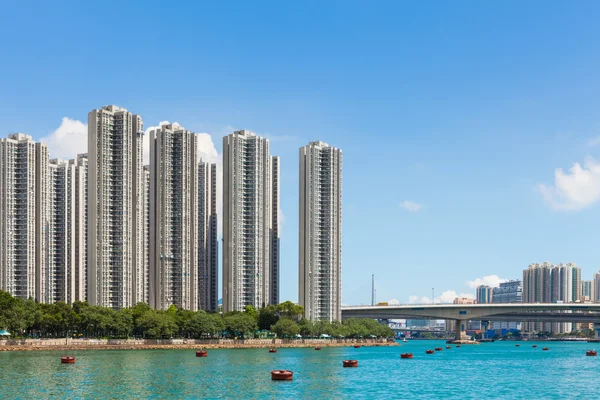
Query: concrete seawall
x=155, y=344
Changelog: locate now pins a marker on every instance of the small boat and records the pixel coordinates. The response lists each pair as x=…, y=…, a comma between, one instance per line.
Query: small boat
x=350, y=363
x=517, y=345
x=458, y=345
x=448, y=347
x=318, y=348
x=273, y=350
x=534, y=346
x=546, y=348
x=404, y=340
x=67, y=360
x=406, y=355
x=438, y=349
x=429, y=351
x=591, y=353
x=357, y=346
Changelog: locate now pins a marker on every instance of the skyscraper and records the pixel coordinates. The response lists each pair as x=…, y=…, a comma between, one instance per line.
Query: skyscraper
x=320, y=232
x=115, y=138
x=143, y=284
x=248, y=218
x=80, y=226
x=547, y=283
x=537, y=289
x=173, y=218
x=58, y=232
x=17, y=213
x=484, y=294
x=208, y=245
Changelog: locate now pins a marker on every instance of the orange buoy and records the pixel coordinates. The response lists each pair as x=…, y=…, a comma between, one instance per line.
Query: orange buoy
x=438, y=349
x=406, y=355
x=273, y=350
x=357, y=346
x=591, y=353
x=546, y=348
x=282, y=375
x=350, y=363
x=318, y=348
x=67, y=360
x=202, y=353
x=428, y=351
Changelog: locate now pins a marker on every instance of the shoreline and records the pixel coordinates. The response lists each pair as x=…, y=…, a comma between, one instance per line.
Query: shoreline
x=248, y=344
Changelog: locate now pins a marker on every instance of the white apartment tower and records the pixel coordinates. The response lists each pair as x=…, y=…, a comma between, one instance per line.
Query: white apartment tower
x=208, y=245
x=56, y=218
x=320, y=232
x=249, y=216
x=115, y=150
x=17, y=215
x=144, y=283
x=173, y=218
x=80, y=227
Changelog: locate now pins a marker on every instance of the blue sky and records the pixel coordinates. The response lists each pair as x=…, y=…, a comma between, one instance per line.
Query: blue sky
x=453, y=117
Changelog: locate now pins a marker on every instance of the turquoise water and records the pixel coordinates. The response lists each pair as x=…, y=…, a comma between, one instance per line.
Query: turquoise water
x=490, y=370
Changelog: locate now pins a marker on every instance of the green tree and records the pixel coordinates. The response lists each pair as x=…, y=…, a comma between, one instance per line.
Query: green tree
x=286, y=327
x=290, y=310
x=240, y=324
x=267, y=317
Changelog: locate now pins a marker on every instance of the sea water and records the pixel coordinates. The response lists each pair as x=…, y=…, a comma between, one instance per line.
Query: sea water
x=489, y=370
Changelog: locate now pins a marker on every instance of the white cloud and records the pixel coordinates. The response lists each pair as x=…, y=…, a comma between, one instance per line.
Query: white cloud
x=594, y=142
x=576, y=189
x=490, y=280
x=68, y=140
x=411, y=206
x=393, y=302
x=447, y=296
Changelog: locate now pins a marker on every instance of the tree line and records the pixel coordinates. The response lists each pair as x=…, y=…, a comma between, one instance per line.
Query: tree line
x=28, y=318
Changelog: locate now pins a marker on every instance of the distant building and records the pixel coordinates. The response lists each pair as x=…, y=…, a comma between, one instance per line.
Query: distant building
x=484, y=294
x=508, y=292
x=547, y=283
x=463, y=300
x=587, y=291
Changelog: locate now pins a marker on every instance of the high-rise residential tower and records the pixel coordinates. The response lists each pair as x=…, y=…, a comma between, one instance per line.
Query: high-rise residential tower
x=320, y=236
x=248, y=218
x=115, y=138
x=537, y=289
x=208, y=245
x=80, y=226
x=144, y=282
x=173, y=218
x=17, y=215
x=58, y=223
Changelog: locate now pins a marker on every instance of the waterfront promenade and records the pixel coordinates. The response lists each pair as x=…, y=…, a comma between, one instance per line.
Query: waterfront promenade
x=156, y=344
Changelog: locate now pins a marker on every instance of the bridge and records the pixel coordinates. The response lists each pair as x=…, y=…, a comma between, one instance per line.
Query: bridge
x=461, y=313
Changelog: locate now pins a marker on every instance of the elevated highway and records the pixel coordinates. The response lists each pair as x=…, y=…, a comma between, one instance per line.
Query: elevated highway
x=461, y=313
